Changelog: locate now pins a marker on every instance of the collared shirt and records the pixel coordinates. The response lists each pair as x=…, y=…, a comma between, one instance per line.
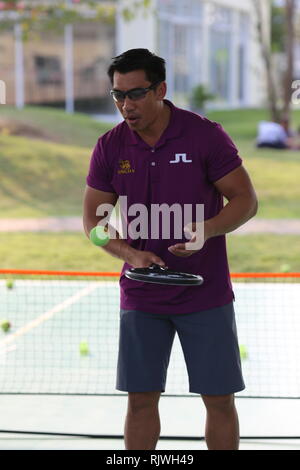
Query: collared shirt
x=192, y=154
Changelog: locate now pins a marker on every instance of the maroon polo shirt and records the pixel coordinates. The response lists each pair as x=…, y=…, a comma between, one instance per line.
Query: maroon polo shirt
x=124, y=164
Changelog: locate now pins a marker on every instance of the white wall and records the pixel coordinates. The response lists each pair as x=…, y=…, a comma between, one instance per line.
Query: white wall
x=257, y=75
x=140, y=32
x=256, y=83
x=241, y=5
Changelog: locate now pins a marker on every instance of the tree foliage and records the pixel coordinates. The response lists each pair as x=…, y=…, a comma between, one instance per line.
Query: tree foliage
x=36, y=16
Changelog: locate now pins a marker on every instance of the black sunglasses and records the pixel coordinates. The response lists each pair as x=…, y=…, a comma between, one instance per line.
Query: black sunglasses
x=135, y=94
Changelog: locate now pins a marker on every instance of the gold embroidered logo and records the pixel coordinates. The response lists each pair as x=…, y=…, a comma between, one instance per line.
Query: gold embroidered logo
x=125, y=167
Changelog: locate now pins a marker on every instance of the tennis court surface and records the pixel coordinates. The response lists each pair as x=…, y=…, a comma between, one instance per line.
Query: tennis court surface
x=58, y=365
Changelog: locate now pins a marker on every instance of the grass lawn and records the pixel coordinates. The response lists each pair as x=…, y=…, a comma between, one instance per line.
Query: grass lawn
x=275, y=176
x=59, y=251
x=72, y=251
x=241, y=124
x=41, y=178
x=71, y=129
x=275, y=173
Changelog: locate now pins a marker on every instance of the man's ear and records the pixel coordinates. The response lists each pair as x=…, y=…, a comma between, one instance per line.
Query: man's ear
x=161, y=90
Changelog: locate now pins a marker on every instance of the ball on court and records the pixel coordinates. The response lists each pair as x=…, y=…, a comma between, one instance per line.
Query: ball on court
x=99, y=236
x=243, y=352
x=285, y=268
x=9, y=283
x=5, y=325
x=84, y=348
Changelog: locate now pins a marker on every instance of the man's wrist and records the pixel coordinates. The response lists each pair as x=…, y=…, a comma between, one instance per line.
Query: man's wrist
x=126, y=252
x=209, y=231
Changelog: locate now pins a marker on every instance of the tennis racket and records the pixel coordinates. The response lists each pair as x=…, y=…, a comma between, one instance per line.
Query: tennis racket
x=163, y=275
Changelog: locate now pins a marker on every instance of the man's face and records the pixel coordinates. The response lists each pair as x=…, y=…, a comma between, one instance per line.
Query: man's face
x=140, y=114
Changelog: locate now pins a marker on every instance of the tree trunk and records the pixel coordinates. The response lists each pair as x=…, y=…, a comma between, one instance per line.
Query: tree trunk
x=267, y=58
x=289, y=49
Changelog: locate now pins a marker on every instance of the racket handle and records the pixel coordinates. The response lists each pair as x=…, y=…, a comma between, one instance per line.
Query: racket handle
x=158, y=267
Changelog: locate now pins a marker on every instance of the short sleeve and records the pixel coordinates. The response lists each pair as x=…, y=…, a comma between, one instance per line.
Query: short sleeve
x=99, y=174
x=223, y=155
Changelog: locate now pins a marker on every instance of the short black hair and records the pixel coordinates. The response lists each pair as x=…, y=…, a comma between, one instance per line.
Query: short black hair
x=139, y=59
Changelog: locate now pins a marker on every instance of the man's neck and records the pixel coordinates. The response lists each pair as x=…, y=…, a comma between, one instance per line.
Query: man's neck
x=153, y=134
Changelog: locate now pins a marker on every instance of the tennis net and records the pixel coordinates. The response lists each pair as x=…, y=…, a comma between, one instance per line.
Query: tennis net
x=60, y=334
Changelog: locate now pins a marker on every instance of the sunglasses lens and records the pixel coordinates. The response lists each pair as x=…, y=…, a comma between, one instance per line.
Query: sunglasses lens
x=117, y=96
x=137, y=94
x=133, y=95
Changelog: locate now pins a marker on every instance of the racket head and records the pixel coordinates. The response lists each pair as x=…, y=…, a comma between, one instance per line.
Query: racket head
x=156, y=274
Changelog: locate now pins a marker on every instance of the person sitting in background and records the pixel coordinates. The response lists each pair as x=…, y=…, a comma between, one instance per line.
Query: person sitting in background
x=276, y=135
x=272, y=135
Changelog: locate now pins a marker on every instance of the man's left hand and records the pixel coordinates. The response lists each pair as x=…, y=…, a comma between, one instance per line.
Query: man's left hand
x=194, y=231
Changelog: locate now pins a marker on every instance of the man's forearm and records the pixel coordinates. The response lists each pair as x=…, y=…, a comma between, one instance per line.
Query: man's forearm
x=116, y=247
x=236, y=212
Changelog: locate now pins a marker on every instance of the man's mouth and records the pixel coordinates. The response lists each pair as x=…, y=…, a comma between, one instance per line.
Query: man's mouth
x=132, y=119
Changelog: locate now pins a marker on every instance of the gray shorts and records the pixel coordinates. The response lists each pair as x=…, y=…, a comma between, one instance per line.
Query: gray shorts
x=209, y=343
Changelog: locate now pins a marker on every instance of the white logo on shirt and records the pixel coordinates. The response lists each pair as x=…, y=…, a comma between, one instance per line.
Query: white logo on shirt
x=182, y=157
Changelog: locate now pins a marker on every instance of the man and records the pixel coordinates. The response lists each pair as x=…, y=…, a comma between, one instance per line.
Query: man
x=163, y=154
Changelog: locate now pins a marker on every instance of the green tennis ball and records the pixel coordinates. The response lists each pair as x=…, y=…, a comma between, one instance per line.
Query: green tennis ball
x=5, y=325
x=285, y=268
x=99, y=236
x=9, y=283
x=84, y=348
x=243, y=352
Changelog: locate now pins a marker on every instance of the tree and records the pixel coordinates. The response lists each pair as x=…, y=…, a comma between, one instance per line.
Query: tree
x=31, y=17
x=199, y=97
x=36, y=16
x=282, y=40
x=290, y=13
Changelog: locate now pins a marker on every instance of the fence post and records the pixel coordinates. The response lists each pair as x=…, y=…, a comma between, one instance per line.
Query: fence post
x=2, y=92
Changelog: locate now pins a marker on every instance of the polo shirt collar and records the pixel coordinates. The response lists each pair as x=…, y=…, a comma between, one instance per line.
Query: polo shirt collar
x=173, y=130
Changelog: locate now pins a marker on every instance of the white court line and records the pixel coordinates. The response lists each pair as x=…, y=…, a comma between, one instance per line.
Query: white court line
x=46, y=316
x=10, y=348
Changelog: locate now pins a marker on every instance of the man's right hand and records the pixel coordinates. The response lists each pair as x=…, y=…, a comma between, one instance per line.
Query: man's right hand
x=143, y=259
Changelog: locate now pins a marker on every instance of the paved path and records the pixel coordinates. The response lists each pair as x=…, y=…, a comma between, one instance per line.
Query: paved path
x=74, y=224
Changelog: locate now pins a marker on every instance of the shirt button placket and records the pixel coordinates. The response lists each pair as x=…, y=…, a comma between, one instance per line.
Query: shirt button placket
x=153, y=168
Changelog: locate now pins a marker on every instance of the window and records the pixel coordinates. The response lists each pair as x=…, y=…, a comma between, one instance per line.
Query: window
x=180, y=33
x=242, y=55
x=220, y=52
x=48, y=70
x=181, y=7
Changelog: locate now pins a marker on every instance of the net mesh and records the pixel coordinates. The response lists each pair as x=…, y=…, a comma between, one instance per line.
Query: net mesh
x=60, y=334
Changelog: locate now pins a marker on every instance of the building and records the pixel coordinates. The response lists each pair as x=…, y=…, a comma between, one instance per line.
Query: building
x=210, y=42
x=45, y=69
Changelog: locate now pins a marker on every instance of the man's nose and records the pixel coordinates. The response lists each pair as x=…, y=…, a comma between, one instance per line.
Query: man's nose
x=128, y=104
